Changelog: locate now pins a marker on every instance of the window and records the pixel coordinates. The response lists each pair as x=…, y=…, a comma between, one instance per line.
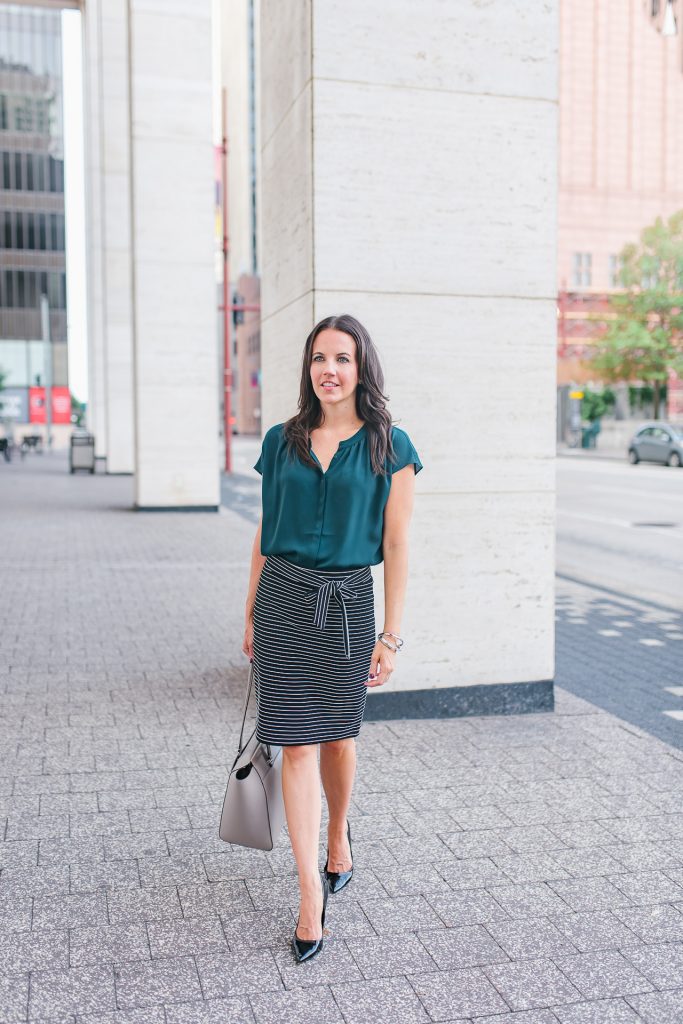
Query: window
x=19, y=242
x=4, y=121
x=23, y=114
x=582, y=270
x=7, y=230
x=42, y=231
x=52, y=164
x=29, y=172
x=31, y=297
x=18, y=176
x=9, y=287
x=42, y=118
x=40, y=174
x=54, y=290
x=53, y=232
x=6, y=183
x=21, y=289
x=615, y=265
x=31, y=244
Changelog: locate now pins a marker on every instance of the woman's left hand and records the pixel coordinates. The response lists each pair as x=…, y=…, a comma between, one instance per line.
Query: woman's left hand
x=381, y=665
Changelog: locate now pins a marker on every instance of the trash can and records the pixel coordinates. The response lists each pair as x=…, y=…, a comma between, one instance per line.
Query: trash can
x=82, y=452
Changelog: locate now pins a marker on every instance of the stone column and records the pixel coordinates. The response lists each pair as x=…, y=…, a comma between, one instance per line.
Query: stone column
x=111, y=258
x=175, y=363
x=154, y=376
x=96, y=414
x=409, y=178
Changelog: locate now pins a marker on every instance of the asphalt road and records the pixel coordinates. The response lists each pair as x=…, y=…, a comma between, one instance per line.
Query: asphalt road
x=621, y=526
x=619, y=621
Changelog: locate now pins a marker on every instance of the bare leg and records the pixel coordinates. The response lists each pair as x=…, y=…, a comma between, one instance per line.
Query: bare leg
x=301, y=791
x=338, y=769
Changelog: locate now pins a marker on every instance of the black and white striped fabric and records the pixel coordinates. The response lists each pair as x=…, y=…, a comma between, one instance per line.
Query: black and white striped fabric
x=314, y=631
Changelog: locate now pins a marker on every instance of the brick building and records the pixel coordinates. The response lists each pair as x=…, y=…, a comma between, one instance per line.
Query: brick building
x=621, y=150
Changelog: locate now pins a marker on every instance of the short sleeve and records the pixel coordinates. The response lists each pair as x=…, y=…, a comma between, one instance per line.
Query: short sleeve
x=404, y=451
x=268, y=449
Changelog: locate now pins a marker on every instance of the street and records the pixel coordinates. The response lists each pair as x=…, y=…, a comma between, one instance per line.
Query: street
x=621, y=526
x=620, y=590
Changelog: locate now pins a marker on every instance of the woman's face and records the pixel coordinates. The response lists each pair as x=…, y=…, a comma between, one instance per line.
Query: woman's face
x=334, y=369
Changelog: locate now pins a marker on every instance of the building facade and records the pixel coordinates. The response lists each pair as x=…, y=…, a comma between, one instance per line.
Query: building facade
x=32, y=219
x=621, y=152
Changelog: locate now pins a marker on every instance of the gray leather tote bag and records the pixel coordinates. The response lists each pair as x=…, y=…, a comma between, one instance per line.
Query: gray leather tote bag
x=253, y=808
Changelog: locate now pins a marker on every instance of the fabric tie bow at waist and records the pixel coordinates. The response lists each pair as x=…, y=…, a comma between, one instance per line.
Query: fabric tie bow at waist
x=322, y=589
x=322, y=597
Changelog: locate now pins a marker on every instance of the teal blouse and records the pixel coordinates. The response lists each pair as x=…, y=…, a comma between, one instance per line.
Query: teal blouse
x=330, y=520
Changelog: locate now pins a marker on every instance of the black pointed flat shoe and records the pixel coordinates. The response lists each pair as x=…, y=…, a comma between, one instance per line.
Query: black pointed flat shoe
x=306, y=949
x=338, y=879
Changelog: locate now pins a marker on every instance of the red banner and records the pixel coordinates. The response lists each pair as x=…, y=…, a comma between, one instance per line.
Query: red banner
x=61, y=405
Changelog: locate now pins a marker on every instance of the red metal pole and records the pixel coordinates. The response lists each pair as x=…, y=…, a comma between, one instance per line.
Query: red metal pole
x=227, y=369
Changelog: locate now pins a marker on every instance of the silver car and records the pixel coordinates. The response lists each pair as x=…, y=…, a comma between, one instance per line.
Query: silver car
x=657, y=442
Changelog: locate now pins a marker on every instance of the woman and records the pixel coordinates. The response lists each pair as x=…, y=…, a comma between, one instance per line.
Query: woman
x=338, y=484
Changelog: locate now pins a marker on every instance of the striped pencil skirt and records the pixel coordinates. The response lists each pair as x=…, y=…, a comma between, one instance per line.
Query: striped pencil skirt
x=314, y=632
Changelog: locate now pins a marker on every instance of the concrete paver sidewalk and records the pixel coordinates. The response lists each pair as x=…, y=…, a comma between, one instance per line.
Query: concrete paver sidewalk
x=525, y=869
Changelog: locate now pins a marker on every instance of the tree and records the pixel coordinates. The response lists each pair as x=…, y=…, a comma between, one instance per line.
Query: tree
x=644, y=337
x=596, y=404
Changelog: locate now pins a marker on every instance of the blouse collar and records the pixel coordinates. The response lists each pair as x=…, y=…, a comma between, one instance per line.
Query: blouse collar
x=354, y=439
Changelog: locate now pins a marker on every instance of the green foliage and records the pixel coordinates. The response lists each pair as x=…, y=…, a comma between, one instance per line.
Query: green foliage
x=595, y=404
x=77, y=411
x=644, y=337
x=640, y=398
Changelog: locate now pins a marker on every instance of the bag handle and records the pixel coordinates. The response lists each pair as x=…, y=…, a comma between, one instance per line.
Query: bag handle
x=240, y=747
x=266, y=746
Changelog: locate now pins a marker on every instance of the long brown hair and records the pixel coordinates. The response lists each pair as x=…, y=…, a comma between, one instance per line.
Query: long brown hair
x=371, y=402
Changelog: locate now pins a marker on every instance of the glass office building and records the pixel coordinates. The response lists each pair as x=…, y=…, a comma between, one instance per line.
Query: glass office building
x=32, y=226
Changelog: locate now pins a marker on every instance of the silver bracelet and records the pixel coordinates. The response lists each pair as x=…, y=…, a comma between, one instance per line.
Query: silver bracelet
x=392, y=647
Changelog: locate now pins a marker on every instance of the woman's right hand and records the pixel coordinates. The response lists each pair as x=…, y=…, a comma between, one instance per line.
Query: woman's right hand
x=248, y=643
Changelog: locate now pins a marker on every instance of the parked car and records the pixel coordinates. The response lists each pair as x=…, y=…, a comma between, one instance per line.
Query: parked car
x=657, y=442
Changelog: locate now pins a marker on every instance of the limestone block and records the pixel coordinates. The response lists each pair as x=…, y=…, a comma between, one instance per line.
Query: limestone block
x=480, y=601
x=285, y=36
x=116, y=200
x=472, y=380
x=437, y=193
x=287, y=185
x=166, y=230
x=506, y=49
x=283, y=335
